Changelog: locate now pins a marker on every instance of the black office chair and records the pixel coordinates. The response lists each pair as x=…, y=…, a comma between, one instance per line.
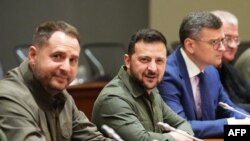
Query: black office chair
x=84, y=74
x=105, y=59
x=22, y=52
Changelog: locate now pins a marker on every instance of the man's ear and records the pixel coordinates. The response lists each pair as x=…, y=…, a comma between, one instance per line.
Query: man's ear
x=32, y=52
x=189, y=45
x=126, y=60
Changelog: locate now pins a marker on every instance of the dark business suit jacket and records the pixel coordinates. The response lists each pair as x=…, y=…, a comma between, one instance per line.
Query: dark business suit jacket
x=176, y=91
x=237, y=88
x=242, y=64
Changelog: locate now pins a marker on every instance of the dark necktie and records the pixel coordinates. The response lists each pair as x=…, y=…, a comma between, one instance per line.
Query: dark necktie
x=202, y=83
x=204, y=96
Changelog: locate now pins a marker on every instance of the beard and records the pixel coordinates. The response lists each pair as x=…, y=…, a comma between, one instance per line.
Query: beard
x=147, y=80
x=49, y=81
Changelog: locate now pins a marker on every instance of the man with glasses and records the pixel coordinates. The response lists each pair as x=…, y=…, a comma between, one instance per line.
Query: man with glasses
x=236, y=86
x=191, y=85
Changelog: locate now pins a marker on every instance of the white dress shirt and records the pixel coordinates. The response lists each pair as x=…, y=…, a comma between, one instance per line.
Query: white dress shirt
x=193, y=72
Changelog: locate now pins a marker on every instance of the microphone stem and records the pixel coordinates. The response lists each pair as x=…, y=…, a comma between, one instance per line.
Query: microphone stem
x=167, y=127
x=241, y=113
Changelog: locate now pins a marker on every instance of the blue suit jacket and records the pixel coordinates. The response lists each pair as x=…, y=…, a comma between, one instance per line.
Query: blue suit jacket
x=176, y=91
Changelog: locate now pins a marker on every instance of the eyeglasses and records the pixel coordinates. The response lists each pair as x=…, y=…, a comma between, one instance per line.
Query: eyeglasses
x=230, y=39
x=214, y=42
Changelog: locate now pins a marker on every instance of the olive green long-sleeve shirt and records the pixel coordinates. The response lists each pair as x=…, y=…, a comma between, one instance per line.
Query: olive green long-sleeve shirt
x=124, y=106
x=29, y=113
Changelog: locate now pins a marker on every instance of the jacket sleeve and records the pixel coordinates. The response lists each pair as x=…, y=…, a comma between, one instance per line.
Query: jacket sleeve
x=83, y=129
x=17, y=122
x=174, y=120
x=118, y=114
x=178, y=98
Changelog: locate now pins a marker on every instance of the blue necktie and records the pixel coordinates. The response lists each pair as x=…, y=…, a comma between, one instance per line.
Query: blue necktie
x=202, y=83
x=207, y=99
x=204, y=96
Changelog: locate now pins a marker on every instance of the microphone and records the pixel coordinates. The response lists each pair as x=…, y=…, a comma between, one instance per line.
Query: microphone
x=111, y=133
x=227, y=107
x=167, y=127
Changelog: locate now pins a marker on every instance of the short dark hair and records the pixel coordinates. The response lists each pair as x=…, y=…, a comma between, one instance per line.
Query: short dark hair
x=145, y=35
x=44, y=31
x=194, y=22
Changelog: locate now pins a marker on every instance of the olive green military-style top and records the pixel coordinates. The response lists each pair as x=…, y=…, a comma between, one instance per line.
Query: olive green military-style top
x=28, y=112
x=125, y=106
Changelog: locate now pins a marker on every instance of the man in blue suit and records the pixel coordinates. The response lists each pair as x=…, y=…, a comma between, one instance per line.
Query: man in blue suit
x=202, y=46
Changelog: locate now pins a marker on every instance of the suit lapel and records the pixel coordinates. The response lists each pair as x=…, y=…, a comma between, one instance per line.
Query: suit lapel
x=184, y=76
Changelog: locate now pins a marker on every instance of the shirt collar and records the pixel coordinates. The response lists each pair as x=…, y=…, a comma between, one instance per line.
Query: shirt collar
x=135, y=87
x=192, y=69
x=39, y=93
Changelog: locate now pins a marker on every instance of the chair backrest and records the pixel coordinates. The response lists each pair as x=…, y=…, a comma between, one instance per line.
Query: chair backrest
x=22, y=52
x=105, y=59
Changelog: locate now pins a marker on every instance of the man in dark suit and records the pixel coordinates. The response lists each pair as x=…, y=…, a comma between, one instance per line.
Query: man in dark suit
x=202, y=46
x=236, y=86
